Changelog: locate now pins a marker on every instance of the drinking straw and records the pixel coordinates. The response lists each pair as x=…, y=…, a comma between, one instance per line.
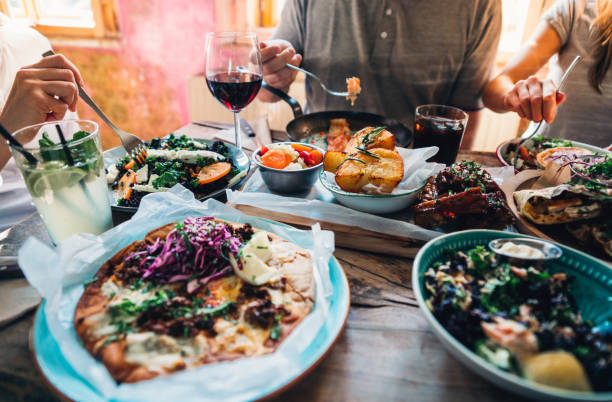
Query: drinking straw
x=64, y=145
x=17, y=145
x=71, y=161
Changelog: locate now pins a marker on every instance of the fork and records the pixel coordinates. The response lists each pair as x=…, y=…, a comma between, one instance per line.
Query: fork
x=561, y=85
x=308, y=73
x=134, y=146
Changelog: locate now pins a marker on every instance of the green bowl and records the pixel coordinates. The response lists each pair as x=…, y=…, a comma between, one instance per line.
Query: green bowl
x=592, y=290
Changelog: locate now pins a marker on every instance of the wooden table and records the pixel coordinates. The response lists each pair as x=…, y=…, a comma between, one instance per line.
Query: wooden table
x=386, y=352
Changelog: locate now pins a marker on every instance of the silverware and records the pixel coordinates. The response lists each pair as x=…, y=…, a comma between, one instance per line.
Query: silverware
x=308, y=73
x=134, y=146
x=197, y=123
x=561, y=85
x=246, y=127
x=248, y=130
x=9, y=268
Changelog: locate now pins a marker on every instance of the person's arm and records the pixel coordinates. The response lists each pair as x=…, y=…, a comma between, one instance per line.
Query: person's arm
x=516, y=89
x=285, y=47
x=275, y=54
x=41, y=92
x=477, y=65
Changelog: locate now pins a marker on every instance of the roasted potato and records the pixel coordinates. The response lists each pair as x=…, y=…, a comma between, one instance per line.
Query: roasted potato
x=333, y=160
x=384, y=170
x=380, y=139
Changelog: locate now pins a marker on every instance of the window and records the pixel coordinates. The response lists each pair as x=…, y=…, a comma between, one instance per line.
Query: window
x=252, y=15
x=265, y=13
x=72, y=18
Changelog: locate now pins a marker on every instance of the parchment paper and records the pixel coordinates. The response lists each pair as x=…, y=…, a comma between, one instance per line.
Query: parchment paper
x=319, y=203
x=59, y=274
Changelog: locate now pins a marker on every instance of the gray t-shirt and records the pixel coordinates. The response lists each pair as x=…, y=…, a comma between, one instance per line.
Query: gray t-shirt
x=586, y=115
x=405, y=52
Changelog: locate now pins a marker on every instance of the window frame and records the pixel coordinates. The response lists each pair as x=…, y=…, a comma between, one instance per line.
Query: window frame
x=104, y=16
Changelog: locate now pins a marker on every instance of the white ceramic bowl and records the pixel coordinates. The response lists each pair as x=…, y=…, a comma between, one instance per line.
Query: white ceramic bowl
x=372, y=203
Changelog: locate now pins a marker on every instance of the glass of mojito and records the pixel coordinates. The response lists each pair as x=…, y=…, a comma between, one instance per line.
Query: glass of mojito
x=67, y=184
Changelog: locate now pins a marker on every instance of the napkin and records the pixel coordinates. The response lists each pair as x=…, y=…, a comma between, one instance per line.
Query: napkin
x=17, y=297
x=79, y=257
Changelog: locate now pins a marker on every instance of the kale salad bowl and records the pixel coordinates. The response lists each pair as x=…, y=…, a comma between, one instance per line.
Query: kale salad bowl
x=538, y=329
x=205, y=167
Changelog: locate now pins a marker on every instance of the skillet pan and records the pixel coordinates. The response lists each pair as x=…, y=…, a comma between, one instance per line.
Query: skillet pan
x=304, y=125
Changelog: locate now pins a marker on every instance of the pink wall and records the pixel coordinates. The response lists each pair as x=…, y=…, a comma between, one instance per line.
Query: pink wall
x=142, y=84
x=169, y=35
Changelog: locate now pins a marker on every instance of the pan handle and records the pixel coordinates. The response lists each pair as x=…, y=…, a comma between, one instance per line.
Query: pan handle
x=295, y=105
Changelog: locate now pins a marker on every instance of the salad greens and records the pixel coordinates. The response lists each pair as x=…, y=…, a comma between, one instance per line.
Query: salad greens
x=163, y=173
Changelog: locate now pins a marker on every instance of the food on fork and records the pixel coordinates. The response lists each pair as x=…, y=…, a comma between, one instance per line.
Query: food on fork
x=462, y=196
x=196, y=292
x=353, y=87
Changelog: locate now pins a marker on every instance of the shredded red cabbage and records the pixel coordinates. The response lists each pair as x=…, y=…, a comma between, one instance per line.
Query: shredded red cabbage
x=197, y=250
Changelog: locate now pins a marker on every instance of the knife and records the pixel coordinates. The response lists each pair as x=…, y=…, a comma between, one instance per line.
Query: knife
x=9, y=268
x=246, y=127
x=197, y=123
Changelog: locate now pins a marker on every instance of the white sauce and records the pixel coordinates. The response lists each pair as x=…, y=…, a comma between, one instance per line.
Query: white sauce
x=261, y=259
x=254, y=256
x=184, y=155
x=148, y=188
x=521, y=250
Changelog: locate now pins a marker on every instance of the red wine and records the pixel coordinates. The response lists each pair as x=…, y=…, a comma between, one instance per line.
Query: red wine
x=234, y=90
x=441, y=132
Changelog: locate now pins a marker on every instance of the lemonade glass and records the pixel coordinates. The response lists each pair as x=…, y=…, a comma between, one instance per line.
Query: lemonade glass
x=69, y=191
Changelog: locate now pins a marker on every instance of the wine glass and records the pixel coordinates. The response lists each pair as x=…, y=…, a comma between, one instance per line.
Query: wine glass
x=233, y=71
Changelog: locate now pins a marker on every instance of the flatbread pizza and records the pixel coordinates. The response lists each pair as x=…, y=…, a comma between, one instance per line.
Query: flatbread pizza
x=195, y=292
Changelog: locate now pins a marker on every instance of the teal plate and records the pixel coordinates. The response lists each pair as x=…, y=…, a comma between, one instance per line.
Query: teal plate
x=68, y=384
x=592, y=290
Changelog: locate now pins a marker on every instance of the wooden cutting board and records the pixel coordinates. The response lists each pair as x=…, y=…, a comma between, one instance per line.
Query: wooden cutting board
x=353, y=237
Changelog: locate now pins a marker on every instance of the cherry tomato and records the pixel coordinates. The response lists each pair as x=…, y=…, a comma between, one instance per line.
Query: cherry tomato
x=316, y=156
x=307, y=158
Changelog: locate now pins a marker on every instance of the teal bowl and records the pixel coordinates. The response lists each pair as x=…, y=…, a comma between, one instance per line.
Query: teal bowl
x=592, y=290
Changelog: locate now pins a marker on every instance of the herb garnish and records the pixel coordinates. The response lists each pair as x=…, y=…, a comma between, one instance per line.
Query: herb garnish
x=366, y=152
x=90, y=281
x=369, y=137
x=351, y=158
